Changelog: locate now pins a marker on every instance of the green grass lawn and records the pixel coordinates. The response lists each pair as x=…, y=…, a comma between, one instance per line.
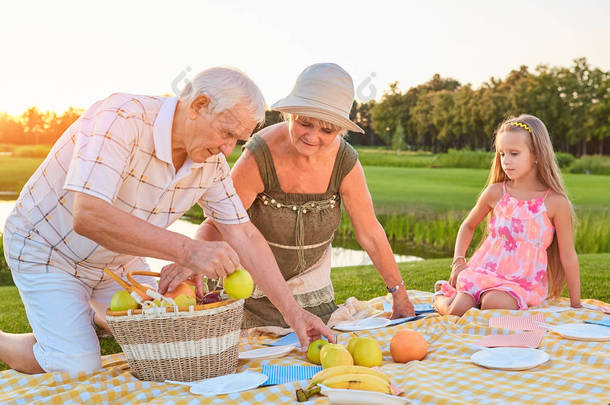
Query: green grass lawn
x=394, y=189
x=594, y=271
x=408, y=189
x=373, y=156
x=14, y=173
x=363, y=282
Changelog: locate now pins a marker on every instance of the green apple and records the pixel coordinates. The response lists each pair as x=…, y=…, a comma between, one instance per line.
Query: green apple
x=333, y=355
x=122, y=301
x=366, y=352
x=238, y=284
x=184, y=300
x=313, y=351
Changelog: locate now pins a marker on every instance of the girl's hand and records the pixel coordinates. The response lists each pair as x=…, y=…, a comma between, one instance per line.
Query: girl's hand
x=456, y=269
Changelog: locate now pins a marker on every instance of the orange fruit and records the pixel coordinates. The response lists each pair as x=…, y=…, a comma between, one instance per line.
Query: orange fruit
x=183, y=288
x=408, y=345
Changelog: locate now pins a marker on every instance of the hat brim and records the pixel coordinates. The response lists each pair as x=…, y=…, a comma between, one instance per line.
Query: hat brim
x=298, y=105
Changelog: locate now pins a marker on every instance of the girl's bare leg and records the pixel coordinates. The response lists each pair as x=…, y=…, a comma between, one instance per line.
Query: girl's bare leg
x=454, y=306
x=496, y=299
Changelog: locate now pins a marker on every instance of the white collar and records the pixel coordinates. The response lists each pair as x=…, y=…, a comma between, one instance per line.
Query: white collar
x=162, y=130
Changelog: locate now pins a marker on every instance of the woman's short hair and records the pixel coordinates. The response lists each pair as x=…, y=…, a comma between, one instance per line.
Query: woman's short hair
x=286, y=116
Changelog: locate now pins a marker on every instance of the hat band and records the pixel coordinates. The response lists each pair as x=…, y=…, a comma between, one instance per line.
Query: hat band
x=331, y=107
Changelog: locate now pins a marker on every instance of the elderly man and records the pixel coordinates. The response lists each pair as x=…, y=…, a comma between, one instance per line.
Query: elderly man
x=120, y=175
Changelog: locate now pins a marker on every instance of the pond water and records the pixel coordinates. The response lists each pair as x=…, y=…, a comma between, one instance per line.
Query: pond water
x=340, y=256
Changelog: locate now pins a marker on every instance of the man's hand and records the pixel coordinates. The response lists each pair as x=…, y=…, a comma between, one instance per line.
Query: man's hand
x=308, y=327
x=212, y=259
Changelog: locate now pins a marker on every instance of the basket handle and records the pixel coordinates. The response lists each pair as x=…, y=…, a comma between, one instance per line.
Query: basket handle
x=133, y=281
x=151, y=293
x=118, y=279
x=137, y=291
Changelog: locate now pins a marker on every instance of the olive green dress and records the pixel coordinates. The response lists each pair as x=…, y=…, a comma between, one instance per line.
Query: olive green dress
x=299, y=229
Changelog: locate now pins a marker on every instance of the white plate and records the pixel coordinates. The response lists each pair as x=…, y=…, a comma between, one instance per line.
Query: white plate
x=360, y=397
x=509, y=358
x=266, y=352
x=423, y=308
x=553, y=309
x=362, y=324
x=582, y=331
x=227, y=384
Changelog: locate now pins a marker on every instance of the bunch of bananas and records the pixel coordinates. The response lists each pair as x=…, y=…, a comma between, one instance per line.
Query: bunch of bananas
x=348, y=377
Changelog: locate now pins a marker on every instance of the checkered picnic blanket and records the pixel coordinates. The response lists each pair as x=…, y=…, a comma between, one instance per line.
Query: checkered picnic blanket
x=577, y=372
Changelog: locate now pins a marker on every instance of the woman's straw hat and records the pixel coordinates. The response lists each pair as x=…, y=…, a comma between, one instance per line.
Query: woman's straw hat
x=324, y=91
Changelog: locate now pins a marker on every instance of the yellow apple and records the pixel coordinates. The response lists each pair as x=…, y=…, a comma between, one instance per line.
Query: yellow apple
x=352, y=344
x=333, y=355
x=184, y=300
x=122, y=301
x=313, y=351
x=366, y=352
x=238, y=284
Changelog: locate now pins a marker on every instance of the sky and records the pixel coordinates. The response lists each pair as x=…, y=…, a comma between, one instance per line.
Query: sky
x=61, y=53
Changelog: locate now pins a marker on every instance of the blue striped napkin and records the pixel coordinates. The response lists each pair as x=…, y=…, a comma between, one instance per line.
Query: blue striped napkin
x=603, y=322
x=286, y=374
x=289, y=339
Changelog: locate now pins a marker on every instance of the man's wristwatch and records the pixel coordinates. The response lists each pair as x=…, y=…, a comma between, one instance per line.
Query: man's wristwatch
x=396, y=287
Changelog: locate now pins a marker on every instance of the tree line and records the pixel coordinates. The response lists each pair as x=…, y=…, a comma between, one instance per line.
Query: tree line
x=438, y=115
x=442, y=113
x=35, y=126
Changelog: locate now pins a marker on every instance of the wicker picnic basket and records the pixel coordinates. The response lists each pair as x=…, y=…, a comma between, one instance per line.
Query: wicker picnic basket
x=167, y=343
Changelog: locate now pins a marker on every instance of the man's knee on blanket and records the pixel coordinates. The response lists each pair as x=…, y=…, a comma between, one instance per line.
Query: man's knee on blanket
x=52, y=361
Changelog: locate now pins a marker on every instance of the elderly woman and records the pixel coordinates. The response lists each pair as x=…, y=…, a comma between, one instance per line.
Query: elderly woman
x=292, y=178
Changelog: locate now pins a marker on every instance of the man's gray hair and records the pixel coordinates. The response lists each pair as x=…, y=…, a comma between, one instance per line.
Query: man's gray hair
x=226, y=87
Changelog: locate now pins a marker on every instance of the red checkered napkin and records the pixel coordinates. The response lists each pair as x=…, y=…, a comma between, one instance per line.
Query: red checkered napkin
x=525, y=339
x=528, y=322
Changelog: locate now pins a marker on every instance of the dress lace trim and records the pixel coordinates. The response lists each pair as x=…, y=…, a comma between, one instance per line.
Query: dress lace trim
x=300, y=209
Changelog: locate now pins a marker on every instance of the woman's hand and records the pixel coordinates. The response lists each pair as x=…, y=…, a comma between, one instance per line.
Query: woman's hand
x=401, y=305
x=176, y=273
x=308, y=327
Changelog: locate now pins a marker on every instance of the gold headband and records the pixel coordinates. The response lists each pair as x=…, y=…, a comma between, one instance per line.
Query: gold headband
x=521, y=125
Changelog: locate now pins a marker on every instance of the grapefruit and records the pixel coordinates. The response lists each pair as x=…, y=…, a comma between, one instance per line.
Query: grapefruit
x=408, y=345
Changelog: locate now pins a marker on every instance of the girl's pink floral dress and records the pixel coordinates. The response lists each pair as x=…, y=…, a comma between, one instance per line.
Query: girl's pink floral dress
x=513, y=257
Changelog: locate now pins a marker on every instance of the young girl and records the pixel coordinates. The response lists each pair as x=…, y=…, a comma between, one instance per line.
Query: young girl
x=528, y=253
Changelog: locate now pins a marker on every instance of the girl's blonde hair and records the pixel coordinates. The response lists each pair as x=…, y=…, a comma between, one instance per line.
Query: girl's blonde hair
x=548, y=173
x=323, y=124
